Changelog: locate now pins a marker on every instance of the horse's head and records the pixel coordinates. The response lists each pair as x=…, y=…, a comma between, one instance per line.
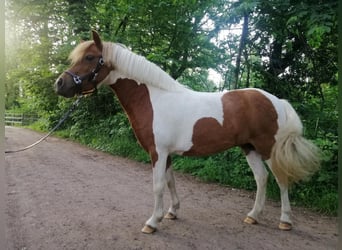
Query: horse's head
x=87, y=69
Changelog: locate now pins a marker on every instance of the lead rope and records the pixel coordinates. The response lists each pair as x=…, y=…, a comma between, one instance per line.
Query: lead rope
x=66, y=115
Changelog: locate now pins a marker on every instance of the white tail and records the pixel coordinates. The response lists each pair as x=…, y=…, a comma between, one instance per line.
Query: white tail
x=293, y=157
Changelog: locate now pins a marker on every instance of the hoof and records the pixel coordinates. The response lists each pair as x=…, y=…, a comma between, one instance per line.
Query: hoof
x=148, y=229
x=250, y=220
x=170, y=216
x=285, y=226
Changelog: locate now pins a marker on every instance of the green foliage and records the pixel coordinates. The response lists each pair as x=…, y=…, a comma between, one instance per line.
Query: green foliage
x=112, y=135
x=227, y=168
x=173, y=34
x=295, y=37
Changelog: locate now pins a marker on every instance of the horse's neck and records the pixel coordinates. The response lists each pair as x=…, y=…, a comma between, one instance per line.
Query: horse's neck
x=134, y=98
x=130, y=94
x=136, y=102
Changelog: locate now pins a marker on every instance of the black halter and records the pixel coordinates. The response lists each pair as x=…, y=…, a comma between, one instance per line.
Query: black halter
x=90, y=76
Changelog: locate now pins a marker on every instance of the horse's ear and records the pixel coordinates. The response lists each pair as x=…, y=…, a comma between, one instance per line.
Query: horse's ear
x=97, y=40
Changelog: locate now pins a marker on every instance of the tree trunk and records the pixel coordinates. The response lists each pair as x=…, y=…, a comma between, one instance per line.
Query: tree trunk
x=243, y=40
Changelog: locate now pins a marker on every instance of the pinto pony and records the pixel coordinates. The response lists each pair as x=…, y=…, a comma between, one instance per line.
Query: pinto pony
x=168, y=118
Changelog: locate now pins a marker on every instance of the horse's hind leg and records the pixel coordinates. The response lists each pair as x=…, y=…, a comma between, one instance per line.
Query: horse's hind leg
x=260, y=174
x=285, y=217
x=170, y=180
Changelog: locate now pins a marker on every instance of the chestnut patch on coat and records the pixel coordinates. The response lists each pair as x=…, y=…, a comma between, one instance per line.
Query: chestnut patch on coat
x=250, y=121
x=135, y=100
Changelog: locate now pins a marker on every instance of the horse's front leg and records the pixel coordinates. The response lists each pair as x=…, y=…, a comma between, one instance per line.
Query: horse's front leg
x=159, y=180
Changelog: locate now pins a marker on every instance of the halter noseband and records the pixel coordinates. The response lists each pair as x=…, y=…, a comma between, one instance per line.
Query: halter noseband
x=91, y=78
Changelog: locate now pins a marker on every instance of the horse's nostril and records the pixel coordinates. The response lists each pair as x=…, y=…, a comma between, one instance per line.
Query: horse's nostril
x=59, y=83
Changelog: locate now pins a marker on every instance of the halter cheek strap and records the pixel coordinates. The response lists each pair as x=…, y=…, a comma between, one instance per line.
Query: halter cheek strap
x=95, y=71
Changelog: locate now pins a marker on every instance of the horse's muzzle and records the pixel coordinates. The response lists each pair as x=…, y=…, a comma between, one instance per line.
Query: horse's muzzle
x=62, y=89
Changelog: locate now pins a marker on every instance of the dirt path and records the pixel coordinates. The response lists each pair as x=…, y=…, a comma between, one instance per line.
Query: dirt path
x=65, y=196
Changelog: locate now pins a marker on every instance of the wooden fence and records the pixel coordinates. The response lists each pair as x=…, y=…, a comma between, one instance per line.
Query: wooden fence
x=19, y=119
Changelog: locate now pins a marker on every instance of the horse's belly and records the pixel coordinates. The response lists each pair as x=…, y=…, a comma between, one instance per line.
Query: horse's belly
x=207, y=149
x=210, y=137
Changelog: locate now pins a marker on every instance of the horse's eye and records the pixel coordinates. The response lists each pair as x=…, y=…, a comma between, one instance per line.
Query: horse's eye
x=89, y=57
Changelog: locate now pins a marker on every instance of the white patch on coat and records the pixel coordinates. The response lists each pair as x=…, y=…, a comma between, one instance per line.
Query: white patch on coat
x=175, y=114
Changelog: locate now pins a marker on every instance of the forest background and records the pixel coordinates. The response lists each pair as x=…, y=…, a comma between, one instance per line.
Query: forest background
x=288, y=48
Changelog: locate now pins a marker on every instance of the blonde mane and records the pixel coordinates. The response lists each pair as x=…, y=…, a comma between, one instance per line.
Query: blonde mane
x=138, y=68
